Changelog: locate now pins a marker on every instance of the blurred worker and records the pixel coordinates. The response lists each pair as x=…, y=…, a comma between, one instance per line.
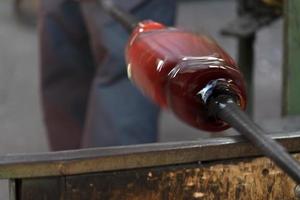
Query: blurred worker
x=86, y=96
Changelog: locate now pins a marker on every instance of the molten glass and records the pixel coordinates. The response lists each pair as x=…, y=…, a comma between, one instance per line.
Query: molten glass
x=178, y=70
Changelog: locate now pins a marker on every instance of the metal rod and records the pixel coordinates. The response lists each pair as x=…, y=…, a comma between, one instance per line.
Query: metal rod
x=225, y=108
x=124, y=18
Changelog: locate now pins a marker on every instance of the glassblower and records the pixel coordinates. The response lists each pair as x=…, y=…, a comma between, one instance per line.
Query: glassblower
x=191, y=75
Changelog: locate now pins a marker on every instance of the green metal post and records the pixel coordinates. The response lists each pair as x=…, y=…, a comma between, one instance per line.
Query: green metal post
x=291, y=69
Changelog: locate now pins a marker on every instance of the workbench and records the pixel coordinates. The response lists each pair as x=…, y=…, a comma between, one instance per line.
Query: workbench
x=217, y=168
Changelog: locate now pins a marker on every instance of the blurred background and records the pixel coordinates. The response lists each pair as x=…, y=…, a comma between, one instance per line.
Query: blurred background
x=21, y=125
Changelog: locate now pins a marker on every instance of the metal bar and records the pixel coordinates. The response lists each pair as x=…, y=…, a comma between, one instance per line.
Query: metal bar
x=136, y=156
x=246, y=64
x=126, y=19
x=291, y=69
x=225, y=108
x=246, y=55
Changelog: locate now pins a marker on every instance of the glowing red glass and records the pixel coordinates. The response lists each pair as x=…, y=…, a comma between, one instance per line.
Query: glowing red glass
x=172, y=66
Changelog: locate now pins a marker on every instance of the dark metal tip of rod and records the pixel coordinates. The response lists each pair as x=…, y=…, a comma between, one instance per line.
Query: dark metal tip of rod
x=127, y=20
x=225, y=108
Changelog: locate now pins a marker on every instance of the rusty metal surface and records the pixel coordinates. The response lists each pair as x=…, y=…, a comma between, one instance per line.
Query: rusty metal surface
x=248, y=178
x=137, y=156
